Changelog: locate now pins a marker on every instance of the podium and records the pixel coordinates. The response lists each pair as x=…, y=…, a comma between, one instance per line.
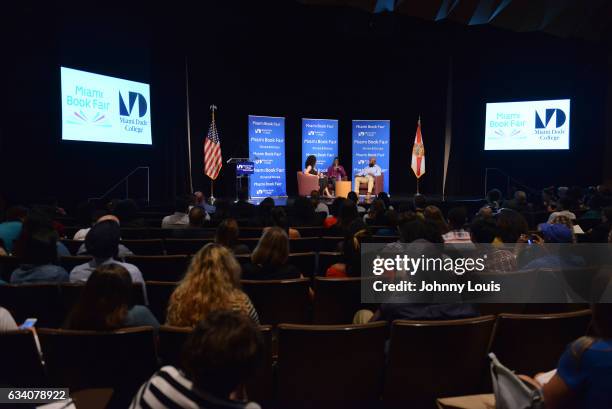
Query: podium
x=244, y=167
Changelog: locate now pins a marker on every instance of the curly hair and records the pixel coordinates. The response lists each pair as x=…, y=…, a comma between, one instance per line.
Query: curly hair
x=212, y=283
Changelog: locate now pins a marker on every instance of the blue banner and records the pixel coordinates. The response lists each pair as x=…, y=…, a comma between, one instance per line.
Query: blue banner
x=267, y=150
x=371, y=138
x=320, y=138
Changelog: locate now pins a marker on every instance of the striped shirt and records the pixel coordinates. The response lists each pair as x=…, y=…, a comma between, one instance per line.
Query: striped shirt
x=170, y=388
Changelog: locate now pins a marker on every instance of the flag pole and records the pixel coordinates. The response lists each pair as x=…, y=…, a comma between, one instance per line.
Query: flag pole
x=213, y=107
x=418, y=177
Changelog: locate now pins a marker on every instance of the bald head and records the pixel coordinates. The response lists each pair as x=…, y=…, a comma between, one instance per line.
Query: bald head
x=372, y=160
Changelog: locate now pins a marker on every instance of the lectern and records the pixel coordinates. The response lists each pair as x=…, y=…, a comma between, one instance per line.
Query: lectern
x=244, y=168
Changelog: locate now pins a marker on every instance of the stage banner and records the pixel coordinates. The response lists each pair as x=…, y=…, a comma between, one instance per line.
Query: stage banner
x=267, y=150
x=371, y=138
x=320, y=138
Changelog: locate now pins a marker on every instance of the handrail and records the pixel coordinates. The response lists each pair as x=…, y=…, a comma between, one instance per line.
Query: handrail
x=126, y=180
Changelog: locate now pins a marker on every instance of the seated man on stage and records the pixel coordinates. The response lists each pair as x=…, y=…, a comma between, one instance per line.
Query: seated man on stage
x=367, y=175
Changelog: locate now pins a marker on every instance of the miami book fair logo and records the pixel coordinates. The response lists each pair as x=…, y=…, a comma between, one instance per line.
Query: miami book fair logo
x=131, y=114
x=88, y=107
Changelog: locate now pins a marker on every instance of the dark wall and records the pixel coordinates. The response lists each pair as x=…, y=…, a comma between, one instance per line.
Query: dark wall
x=282, y=58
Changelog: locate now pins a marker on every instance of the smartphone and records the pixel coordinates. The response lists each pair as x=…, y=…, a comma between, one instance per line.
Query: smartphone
x=28, y=323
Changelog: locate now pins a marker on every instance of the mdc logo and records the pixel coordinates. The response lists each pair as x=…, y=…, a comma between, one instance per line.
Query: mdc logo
x=549, y=113
x=126, y=110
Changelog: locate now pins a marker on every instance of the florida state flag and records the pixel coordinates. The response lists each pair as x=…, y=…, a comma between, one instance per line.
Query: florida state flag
x=418, y=153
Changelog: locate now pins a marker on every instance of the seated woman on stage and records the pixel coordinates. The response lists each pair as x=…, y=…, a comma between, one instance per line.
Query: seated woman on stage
x=335, y=172
x=309, y=169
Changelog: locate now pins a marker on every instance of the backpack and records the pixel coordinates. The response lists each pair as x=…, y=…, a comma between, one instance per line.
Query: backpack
x=510, y=391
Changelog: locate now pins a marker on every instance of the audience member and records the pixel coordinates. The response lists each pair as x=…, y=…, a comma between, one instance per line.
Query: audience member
x=200, y=201
x=243, y=209
x=319, y=206
x=384, y=196
x=105, y=304
x=434, y=214
x=10, y=229
x=7, y=322
x=197, y=216
x=483, y=231
x=180, y=218
x=304, y=213
x=227, y=236
x=350, y=266
x=264, y=212
x=347, y=213
x=419, y=203
x=127, y=211
x=511, y=225
x=39, y=255
x=221, y=354
x=96, y=216
x=269, y=259
x=376, y=213
x=102, y=243
x=122, y=250
x=280, y=219
x=494, y=197
x=212, y=283
x=518, y=203
x=390, y=222
x=457, y=217
x=352, y=196
x=222, y=210
x=599, y=233
x=563, y=209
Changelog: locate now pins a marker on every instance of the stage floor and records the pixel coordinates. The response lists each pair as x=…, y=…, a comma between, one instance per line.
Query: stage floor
x=431, y=199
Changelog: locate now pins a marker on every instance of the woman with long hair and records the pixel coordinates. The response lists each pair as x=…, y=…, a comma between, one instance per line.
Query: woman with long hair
x=434, y=214
x=105, y=303
x=269, y=259
x=227, y=236
x=212, y=283
x=310, y=169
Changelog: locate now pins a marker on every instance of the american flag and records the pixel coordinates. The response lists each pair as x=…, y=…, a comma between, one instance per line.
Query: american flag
x=212, y=151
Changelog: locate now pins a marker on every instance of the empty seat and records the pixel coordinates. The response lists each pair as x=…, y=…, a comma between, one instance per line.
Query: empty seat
x=171, y=341
x=305, y=262
x=145, y=247
x=159, y=293
x=121, y=360
x=310, y=231
x=327, y=259
x=185, y=246
x=330, y=243
x=279, y=301
x=330, y=366
x=21, y=363
x=531, y=343
x=160, y=268
x=41, y=301
x=431, y=359
x=336, y=300
x=304, y=244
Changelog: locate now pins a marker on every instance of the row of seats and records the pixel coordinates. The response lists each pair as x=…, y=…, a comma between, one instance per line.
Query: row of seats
x=313, y=365
x=173, y=267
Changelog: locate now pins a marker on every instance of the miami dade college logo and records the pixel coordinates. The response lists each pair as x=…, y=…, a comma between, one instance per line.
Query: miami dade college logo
x=549, y=113
x=127, y=110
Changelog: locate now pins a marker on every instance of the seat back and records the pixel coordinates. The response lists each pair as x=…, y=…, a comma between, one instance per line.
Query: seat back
x=250, y=242
x=135, y=233
x=121, y=360
x=279, y=301
x=160, y=268
x=431, y=359
x=70, y=262
x=330, y=366
x=330, y=243
x=305, y=262
x=304, y=244
x=309, y=231
x=72, y=245
x=185, y=246
x=8, y=264
x=306, y=184
x=328, y=259
x=547, y=335
x=171, y=341
x=145, y=247
x=40, y=301
x=336, y=300
x=21, y=364
x=158, y=293
x=251, y=232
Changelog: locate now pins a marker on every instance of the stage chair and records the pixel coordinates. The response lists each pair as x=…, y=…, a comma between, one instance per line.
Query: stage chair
x=433, y=359
x=304, y=244
x=306, y=184
x=184, y=246
x=330, y=366
x=305, y=262
x=121, y=360
x=336, y=300
x=160, y=268
x=379, y=186
x=278, y=301
x=72, y=245
x=145, y=247
x=327, y=259
x=21, y=363
x=531, y=343
x=41, y=301
x=8, y=264
x=158, y=293
x=70, y=262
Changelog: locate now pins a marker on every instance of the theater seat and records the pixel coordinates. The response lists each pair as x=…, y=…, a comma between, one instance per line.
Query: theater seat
x=328, y=259
x=158, y=293
x=145, y=247
x=121, y=360
x=431, y=359
x=40, y=301
x=278, y=301
x=8, y=264
x=160, y=268
x=336, y=299
x=21, y=364
x=331, y=366
x=531, y=343
x=185, y=246
x=329, y=243
x=305, y=262
x=304, y=244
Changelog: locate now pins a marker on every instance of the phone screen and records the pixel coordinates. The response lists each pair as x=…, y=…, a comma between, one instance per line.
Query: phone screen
x=29, y=323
